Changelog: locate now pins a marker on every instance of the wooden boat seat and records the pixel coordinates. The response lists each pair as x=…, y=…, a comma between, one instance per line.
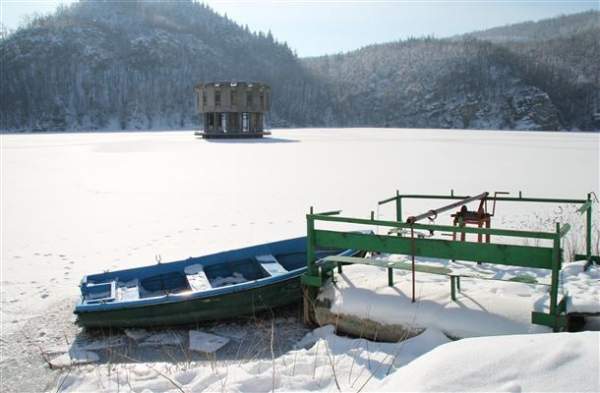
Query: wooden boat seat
x=197, y=278
x=270, y=264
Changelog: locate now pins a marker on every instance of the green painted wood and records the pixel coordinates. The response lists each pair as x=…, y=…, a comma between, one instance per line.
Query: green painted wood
x=564, y=230
x=440, y=228
x=525, y=279
x=588, y=227
x=498, y=198
x=557, y=322
x=583, y=208
x=593, y=258
x=312, y=281
x=193, y=311
x=505, y=254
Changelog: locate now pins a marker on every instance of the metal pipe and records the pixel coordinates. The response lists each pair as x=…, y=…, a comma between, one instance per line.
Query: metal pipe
x=435, y=212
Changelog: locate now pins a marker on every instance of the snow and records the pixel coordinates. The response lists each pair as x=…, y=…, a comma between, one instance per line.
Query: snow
x=582, y=286
x=235, y=278
x=483, y=307
x=561, y=362
x=76, y=204
x=352, y=362
x=427, y=362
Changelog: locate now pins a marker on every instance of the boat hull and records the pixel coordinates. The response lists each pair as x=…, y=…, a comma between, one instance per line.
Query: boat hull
x=225, y=306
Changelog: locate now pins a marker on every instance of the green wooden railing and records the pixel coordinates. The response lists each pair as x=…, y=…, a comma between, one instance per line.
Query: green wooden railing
x=542, y=257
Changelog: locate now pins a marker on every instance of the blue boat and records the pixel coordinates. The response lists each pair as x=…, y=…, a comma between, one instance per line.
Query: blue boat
x=213, y=287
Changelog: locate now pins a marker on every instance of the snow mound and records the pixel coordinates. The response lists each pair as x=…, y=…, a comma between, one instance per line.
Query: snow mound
x=582, y=287
x=564, y=362
x=483, y=307
x=330, y=362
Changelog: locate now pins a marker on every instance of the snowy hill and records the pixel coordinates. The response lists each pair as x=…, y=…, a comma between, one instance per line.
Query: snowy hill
x=529, y=76
x=131, y=65
x=545, y=29
x=116, y=65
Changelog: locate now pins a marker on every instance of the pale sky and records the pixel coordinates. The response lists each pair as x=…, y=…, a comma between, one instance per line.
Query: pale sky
x=314, y=27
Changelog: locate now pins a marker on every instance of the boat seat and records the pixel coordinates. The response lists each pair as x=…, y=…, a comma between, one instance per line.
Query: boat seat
x=129, y=290
x=270, y=264
x=197, y=278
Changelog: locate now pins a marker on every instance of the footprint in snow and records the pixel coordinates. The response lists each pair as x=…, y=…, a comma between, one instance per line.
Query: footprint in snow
x=16, y=257
x=44, y=295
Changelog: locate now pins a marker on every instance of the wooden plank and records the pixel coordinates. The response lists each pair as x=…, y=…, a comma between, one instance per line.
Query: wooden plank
x=504, y=254
x=387, y=264
x=328, y=261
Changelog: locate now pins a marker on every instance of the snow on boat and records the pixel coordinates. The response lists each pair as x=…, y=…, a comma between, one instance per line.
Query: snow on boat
x=224, y=285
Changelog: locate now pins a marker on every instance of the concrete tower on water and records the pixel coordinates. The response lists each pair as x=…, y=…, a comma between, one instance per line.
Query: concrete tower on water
x=233, y=109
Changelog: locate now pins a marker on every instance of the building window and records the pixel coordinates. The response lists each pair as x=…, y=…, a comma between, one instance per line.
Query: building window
x=232, y=97
x=245, y=125
x=262, y=100
x=249, y=98
x=204, y=98
x=217, y=98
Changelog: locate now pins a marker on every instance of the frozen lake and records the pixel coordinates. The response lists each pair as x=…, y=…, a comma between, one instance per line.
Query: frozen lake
x=80, y=203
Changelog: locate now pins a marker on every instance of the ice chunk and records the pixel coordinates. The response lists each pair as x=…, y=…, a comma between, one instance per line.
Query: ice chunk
x=137, y=334
x=232, y=331
x=158, y=339
x=95, y=344
x=73, y=358
x=206, y=342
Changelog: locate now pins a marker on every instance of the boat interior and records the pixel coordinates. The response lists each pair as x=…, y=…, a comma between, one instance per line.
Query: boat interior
x=193, y=275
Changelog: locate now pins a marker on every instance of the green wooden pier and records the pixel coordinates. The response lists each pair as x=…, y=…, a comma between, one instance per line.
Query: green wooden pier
x=548, y=256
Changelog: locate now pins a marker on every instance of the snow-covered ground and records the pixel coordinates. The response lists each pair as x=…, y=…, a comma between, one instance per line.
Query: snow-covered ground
x=425, y=363
x=74, y=204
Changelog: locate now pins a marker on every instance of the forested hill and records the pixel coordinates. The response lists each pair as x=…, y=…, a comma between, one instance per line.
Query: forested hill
x=133, y=65
x=545, y=29
x=534, y=76
x=128, y=65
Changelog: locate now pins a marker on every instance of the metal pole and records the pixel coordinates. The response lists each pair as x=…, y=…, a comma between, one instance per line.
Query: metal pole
x=435, y=212
x=588, y=229
x=555, y=272
x=412, y=235
x=310, y=244
x=398, y=207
